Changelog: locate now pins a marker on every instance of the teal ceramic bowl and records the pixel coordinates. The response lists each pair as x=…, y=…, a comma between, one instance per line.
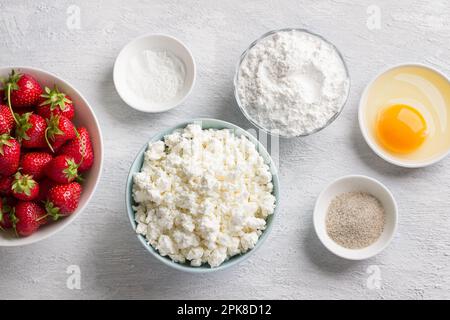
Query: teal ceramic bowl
x=206, y=124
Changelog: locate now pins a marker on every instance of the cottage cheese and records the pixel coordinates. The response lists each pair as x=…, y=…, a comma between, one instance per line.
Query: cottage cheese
x=202, y=195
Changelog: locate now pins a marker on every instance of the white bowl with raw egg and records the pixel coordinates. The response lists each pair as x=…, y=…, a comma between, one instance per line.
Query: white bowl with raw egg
x=404, y=115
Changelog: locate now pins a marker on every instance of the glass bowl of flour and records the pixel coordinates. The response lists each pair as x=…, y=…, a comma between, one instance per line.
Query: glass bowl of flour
x=291, y=83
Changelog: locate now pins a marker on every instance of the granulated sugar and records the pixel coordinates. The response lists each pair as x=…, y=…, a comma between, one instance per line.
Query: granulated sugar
x=355, y=220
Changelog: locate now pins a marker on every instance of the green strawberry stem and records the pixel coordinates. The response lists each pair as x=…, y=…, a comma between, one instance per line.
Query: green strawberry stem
x=23, y=183
x=54, y=98
x=52, y=130
x=54, y=217
x=43, y=217
x=53, y=211
x=48, y=142
x=23, y=125
x=8, y=94
x=4, y=141
x=14, y=220
x=71, y=172
x=6, y=210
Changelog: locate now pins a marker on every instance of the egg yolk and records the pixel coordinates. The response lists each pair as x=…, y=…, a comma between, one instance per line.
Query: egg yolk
x=401, y=128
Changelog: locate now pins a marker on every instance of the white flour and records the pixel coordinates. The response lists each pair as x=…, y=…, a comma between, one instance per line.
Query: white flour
x=292, y=83
x=156, y=76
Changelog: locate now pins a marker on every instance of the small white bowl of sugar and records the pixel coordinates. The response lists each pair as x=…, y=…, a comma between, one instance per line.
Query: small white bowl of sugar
x=355, y=217
x=154, y=73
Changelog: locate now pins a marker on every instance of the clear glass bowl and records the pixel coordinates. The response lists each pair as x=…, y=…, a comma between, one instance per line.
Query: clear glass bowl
x=236, y=81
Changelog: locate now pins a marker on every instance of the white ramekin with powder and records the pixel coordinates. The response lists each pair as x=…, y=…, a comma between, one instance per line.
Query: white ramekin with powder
x=154, y=73
x=156, y=76
x=291, y=83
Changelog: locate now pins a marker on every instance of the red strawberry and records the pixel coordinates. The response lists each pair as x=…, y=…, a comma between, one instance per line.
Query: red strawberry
x=60, y=129
x=5, y=210
x=24, y=90
x=6, y=119
x=62, y=169
x=24, y=187
x=5, y=186
x=9, y=155
x=54, y=102
x=34, y=164
x=47, y=149
x=27, y=217
x=30, y=130
x=44, y=187
x=63, y=199
x=80, y=149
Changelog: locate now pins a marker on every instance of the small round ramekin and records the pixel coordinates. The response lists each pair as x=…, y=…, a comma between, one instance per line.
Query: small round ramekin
x=356, y=183
x=159, y=42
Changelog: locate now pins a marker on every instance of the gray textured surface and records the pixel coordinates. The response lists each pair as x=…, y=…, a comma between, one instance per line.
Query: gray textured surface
x=292, y=263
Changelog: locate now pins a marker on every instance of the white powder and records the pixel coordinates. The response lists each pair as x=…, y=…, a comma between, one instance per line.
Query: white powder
x=156, y=76
x=292, y=83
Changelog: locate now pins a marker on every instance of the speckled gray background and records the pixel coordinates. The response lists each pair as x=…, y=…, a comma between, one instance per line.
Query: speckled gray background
x=292, y=263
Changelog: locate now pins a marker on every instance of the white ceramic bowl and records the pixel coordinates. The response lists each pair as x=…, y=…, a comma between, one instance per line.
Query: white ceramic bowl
x=148, y=42
x=371, y=140
x=205, y=124
x=84, y=116
x=350, y=184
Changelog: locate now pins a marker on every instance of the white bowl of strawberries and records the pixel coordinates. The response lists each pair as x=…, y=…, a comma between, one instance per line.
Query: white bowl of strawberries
x=50, y=155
